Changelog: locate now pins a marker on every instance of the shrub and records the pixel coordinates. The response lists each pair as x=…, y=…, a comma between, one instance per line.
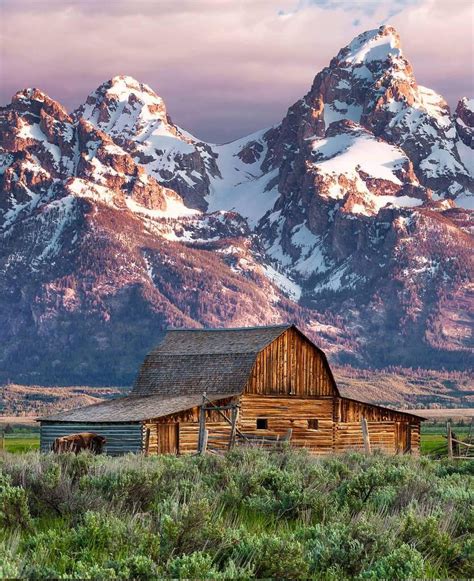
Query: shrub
x=250, y=513
x=14, y=511
x=196, y=566
x=404, y=562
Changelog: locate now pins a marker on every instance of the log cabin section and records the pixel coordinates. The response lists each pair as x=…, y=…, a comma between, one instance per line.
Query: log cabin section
x=258, y=382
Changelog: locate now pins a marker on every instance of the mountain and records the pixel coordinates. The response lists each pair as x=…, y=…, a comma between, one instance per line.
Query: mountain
x=352, y=217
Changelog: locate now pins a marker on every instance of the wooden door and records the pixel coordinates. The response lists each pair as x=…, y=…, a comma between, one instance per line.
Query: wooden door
x=168, y=438
x=403, y=435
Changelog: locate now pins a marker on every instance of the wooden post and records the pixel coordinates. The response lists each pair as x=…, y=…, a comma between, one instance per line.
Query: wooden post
x=202, y=423
x=455, y=445
x=450, y=440
x=204, y=442
x=366, y=436
x=147, y=441
x=233, y=428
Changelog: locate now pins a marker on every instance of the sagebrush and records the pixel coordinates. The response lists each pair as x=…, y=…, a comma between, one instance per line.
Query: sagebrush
x=249, y=514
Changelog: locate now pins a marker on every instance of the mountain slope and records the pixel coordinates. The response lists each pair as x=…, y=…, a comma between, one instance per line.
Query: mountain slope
x=351, y=217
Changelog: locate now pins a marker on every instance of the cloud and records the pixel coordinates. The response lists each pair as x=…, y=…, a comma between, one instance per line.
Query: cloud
x=224, y=68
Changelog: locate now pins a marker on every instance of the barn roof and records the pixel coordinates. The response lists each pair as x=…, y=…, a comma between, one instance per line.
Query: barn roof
x=193, y=361
x=132, y=408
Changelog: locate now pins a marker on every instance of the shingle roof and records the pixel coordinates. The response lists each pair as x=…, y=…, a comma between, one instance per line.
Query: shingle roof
x=197, y=360
x=133, y=408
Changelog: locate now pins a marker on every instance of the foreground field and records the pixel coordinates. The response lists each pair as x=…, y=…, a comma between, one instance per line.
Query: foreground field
x=250, y=514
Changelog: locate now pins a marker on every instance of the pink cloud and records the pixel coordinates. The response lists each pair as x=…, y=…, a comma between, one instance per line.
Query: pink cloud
x=224, y=68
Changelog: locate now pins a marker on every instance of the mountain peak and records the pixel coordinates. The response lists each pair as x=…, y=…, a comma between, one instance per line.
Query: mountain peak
x=123, y=107
x=380, y=44
x=33, y=100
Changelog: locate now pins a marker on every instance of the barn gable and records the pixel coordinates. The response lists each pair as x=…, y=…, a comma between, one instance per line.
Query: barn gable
x=291, y=365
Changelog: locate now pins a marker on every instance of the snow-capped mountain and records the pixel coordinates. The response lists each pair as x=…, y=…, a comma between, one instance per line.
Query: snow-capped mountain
x=352, y=217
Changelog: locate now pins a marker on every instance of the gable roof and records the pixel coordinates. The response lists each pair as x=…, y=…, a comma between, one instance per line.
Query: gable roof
x=193, y=361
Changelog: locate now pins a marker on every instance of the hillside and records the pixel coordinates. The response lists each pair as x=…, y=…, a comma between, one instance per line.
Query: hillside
x=399, y=388
x=36, y=400
x=352, y=218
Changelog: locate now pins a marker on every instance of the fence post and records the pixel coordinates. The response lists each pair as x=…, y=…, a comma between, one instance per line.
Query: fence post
x=450, y=439
x=366, y=436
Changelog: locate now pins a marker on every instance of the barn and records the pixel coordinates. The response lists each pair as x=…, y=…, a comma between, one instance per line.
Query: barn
x=211, y=389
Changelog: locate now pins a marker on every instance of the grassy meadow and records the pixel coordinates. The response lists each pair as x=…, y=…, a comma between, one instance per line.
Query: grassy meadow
x=248, y=514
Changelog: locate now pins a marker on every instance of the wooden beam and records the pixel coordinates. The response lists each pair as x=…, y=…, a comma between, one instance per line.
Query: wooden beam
x=202, y=423
x=366, y=436
x=204, y=442
x=233, y=427
x=223, y=415
x=147, y=441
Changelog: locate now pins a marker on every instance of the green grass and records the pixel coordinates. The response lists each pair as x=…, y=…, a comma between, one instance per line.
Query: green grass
x=250, y=514
x=433, y=438
x=19, y=443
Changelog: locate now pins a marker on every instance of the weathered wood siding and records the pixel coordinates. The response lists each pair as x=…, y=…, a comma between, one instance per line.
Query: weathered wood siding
x=284, y=413
x=415, y=436
x=348, y=410
x=186, y=427
x=339, y=423
x=290, y=365
x=348, y=436
x=121, y=438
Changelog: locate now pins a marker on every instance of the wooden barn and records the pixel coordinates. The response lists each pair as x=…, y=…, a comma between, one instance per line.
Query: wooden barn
x=216, y=388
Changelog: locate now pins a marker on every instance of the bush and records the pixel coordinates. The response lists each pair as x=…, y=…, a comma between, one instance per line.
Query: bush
x=250, y=513
x=402, y=563
x=14, y=510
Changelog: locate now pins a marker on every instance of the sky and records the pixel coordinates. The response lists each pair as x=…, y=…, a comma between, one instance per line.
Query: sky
x=225, y=68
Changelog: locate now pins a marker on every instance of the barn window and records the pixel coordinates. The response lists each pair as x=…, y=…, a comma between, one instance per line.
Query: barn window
x=262, y=424
x=313, y=424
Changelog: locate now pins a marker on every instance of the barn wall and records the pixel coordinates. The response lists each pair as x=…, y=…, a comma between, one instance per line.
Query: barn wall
x=187, y=423
x=121, y=438
x=387, y=429
x=290, y=365
x=348, y=436
x=350, y=410
x=284, y=413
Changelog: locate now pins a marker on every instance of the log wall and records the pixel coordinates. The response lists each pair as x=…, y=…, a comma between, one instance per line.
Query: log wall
x=284, y=413
x=291, y=365
x=348, y=436
x=338, y=421
x=185, y=424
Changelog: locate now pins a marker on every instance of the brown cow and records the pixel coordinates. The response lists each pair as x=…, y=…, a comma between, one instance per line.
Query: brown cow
x=77, y=442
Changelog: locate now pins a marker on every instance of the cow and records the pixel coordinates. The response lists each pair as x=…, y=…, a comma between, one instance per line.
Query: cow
x=77, y=442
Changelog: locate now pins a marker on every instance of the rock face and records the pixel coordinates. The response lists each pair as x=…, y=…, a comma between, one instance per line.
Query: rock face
x=351, y=217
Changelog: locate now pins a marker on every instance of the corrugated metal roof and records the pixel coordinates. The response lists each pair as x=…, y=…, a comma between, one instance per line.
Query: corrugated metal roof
x=192, y=361
x=133, y=408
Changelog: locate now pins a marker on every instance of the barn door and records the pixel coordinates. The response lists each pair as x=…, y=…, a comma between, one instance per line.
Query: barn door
x=168, y=438
x=403, y=434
